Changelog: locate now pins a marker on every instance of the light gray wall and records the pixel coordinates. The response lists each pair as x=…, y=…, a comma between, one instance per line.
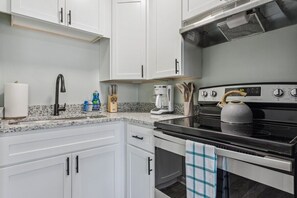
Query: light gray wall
x=37, y=58
x=267, y=57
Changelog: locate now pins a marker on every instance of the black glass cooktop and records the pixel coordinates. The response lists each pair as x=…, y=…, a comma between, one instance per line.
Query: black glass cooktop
x=273, y=137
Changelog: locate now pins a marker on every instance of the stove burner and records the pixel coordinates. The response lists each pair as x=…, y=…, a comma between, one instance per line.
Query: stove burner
x=248, y=130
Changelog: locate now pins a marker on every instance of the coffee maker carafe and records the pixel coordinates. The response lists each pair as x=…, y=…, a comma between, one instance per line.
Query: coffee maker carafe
x=164, y=99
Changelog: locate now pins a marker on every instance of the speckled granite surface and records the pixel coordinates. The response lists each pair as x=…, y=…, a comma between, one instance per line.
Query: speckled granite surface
x=49, y=122
x=47, y=110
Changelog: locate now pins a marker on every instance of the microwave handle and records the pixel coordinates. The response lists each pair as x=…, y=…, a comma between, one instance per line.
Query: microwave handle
x=178, y=145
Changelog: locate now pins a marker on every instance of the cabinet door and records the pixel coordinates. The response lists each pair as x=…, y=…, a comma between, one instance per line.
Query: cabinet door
x=83, y=15
x=96, y=173
x=47, y=178
x=129, y=39
x=192, y=8
x=5, y=6
x=165, y=40
x=47, y=10
x=140, y=181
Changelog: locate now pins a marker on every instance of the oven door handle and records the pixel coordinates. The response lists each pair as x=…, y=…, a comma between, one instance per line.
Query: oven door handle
x=178, y=146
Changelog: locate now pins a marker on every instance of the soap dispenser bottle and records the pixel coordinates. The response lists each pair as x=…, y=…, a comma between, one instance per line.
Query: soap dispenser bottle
x=96, y=101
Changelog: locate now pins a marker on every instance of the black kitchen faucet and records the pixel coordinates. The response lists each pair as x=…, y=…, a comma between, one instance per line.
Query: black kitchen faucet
x=57, y=109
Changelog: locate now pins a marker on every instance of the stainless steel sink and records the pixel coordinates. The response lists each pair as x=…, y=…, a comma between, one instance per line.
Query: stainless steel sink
x=20, y=122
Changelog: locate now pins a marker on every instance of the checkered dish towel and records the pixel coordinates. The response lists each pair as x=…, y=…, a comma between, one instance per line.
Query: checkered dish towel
x=201, y=170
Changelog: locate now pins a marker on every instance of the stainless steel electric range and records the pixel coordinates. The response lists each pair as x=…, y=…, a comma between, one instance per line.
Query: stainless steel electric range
x=259, y=158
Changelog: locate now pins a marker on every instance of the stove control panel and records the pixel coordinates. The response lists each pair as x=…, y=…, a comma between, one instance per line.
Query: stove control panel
x=294, y=92
x=258, y=93
x=278, y=92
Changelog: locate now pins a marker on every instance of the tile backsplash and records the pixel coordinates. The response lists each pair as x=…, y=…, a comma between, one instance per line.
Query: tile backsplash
x=47, y=110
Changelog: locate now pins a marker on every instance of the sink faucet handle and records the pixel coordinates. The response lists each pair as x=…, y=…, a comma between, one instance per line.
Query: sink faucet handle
x=64, y=107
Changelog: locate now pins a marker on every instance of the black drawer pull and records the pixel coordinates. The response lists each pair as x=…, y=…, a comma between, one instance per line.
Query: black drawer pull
x=67, y=166
x=149, y=165
x=62, y=15
x=69, y=17
x=137, y=137
x=176, y=66
x=142, y=73
x=77, y=164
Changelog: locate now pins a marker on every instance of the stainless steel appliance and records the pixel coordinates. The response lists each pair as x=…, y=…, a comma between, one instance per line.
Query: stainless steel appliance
x=239, y=18
x=255, y=160
x=164, y=99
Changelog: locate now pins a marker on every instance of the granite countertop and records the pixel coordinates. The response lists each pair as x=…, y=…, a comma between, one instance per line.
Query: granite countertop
x=49, y=122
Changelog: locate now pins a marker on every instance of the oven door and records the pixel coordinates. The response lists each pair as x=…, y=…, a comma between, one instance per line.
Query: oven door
x=240, y=175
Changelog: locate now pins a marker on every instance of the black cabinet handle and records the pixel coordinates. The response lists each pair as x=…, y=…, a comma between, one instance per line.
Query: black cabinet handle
x=69, y=17
x=142, y=74
x=67, y=166
x=77, y=164
x=176, y=66
x=62, y=15
x=137, y=137
x=149, y=165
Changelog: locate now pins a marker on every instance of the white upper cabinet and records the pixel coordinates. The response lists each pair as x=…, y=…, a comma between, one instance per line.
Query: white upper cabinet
x=129, y=39
x=168, y=55
x=87, y=20
x=83, y=15
x=47, y=10
x=165, y=40
x=5, y=6
x=192, y=8
x=48, y=178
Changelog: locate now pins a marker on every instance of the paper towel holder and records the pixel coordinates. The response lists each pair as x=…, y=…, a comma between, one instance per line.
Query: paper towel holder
x=15, y=100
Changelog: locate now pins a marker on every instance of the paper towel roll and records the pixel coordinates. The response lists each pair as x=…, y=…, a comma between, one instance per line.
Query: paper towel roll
x=16, y=100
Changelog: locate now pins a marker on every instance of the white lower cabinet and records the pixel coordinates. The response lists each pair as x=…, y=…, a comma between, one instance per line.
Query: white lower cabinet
x=95, y=173
x=140, y=173
x=79, y=162
x=76, y=162
x=48, y=178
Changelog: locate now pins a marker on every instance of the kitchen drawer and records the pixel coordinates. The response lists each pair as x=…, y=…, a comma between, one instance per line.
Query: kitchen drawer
x=141, y=137
x=52, y=142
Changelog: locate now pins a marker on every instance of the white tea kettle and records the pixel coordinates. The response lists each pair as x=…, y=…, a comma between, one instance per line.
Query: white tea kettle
x=235, y=112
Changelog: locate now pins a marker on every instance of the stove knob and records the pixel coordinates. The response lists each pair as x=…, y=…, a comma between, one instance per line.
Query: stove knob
x=204, y=93
x=278, y=93
x=294, y=92
x=213, y=93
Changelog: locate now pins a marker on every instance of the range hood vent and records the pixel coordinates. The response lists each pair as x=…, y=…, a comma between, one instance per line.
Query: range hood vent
x=240, y=20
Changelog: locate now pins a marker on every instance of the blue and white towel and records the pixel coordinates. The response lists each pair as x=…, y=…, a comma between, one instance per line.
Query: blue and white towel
x=201, y=170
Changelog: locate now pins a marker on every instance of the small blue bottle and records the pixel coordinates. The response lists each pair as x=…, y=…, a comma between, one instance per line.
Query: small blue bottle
x=86, y=105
